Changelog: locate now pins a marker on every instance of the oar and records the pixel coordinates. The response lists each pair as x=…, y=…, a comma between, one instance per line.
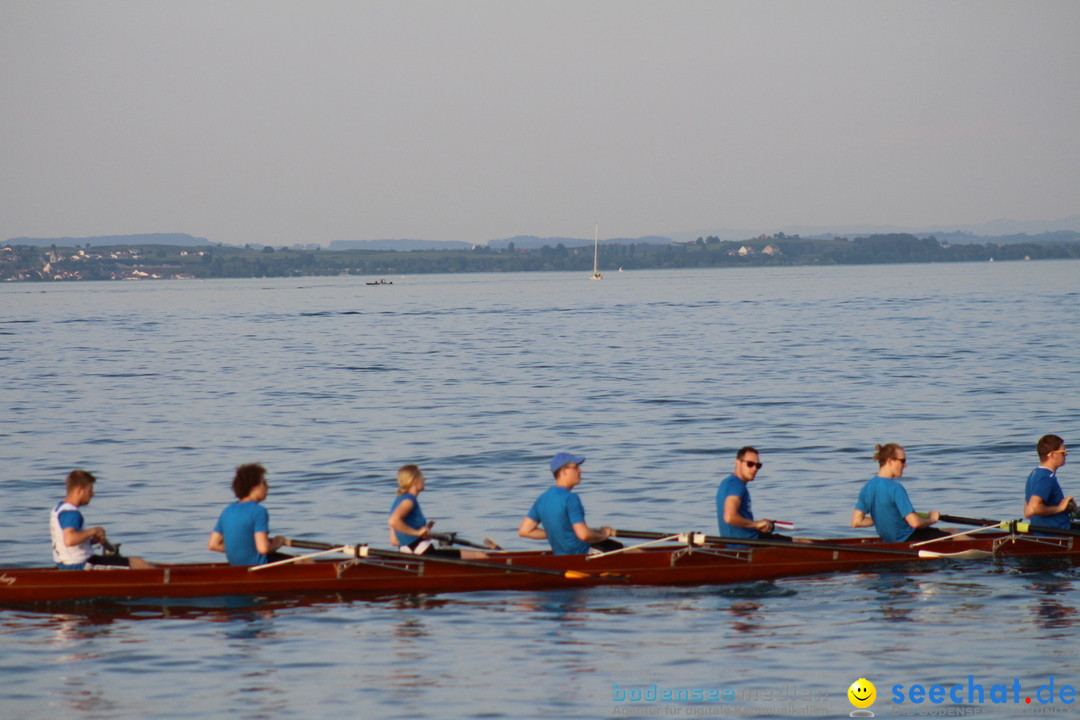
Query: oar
x=951, y=537
x=982, y=522
x=1018, y=526
x=698, y=538
x=451, y=538
x=1029, y=528
x=109, y=550
x=633, y=548
x=362, y=551
x=347, y=549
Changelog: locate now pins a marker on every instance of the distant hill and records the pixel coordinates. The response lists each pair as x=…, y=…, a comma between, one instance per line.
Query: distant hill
x=1061, y=237
x=531, y=242
x=984, y=232
x=151, y=239
x=401, y=245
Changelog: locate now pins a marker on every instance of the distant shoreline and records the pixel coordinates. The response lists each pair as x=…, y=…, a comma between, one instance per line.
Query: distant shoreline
x=24, y=263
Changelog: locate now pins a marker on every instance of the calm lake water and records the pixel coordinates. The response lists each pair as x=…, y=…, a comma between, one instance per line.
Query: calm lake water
x=161, y=388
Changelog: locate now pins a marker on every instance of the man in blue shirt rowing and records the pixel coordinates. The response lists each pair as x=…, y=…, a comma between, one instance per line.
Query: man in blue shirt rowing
x=242, y=531
x=884, y=504
x=733, y=513
x=1044, y=502
x=562, y=515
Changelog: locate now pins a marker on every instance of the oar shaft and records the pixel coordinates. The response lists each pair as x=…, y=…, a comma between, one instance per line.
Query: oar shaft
x=753, y=542
x=310, y=544
x=1016, y=526
x=960, y=520
x=464, y=563
x=397, y=555
x=300, y=558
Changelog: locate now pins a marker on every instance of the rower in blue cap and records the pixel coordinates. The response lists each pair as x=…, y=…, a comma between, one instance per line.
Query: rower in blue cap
x=562, y=515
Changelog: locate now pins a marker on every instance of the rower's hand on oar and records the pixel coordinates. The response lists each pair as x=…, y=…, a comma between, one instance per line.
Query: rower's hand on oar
x=764, y=526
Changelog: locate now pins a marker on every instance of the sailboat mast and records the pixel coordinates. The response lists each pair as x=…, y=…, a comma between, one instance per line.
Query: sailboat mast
x=596, y=249
x=596, y=253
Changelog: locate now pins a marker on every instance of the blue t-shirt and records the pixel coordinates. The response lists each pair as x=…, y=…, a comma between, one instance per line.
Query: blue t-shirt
x=238, y=524
x=1044, y=483
x=886, y=502
x=558, y=509
x=733, y=486
x=414, y=519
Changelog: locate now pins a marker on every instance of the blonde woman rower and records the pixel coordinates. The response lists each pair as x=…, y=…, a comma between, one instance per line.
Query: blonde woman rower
x=409, y=529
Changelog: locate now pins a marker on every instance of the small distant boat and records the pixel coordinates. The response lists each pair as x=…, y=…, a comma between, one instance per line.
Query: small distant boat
x=381, y=281
x=596, y=253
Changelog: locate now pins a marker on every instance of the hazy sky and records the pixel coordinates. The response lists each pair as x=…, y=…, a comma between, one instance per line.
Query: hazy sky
x=295, y=122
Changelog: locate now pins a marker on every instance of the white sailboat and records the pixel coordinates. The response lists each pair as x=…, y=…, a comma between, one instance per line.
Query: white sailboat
x=596, y=253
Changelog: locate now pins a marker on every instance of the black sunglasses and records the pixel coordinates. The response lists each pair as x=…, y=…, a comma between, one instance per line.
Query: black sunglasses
x=754, y=464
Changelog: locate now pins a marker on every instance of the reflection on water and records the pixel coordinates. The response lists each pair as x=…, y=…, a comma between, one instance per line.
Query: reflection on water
x=1053, y=611
x=1054, y=615
x=93, y=701
x=746, y=616
x=75, y=630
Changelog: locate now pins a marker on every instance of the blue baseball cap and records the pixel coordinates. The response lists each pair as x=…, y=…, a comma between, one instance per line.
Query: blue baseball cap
x=564, y=458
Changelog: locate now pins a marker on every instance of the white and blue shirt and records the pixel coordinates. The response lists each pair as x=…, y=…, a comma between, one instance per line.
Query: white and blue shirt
x=63, y=516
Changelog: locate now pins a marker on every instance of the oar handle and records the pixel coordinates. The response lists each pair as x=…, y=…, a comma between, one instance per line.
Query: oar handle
x=1023, y=526
x=108, y=548
x=960, y=520
x=451, y=538
x=309, y=544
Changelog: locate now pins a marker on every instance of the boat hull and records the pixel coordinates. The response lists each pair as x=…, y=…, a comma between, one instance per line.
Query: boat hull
x=670, y=564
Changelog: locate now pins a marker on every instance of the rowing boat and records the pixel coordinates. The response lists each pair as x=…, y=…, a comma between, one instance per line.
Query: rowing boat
x=689, y=559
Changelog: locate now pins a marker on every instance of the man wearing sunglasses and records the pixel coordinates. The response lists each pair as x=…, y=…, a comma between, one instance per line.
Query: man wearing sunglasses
x=1044, y=502
x=733, y=511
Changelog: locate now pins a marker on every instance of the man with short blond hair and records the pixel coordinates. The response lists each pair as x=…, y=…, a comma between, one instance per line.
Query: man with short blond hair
x=72, y=543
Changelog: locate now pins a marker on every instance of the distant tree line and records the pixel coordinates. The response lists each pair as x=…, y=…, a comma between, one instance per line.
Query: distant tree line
x=167, y=261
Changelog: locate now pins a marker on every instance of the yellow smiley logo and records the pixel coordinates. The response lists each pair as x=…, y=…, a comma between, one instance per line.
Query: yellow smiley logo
x=862, y=693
